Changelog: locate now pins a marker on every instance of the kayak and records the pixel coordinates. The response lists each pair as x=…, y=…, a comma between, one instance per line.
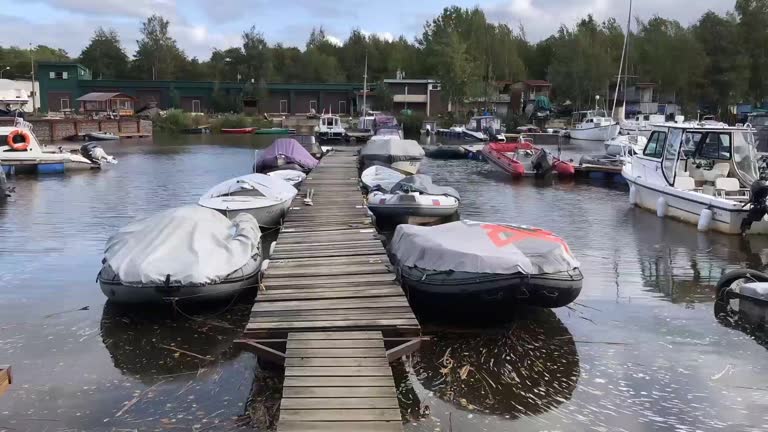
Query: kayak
x=275, y=131
x=239, y=131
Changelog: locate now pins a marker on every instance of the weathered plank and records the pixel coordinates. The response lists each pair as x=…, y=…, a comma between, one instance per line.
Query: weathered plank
x=335, y=294
x=335, y=335
x=319, y=281
x=342, y=371
x=340, y=415
x=5, y=378
x=338, y=391
x=368, y=314
x=335, y=361
x=338, y=403
x=339, y=352
x=335, y=343
x=338, y=381
x=391, y=324
x=325, y=426
x=281, y=271
x=331, y=304
x=332, y=312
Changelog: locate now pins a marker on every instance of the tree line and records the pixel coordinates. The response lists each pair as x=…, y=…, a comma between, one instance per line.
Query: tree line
x=716, y=62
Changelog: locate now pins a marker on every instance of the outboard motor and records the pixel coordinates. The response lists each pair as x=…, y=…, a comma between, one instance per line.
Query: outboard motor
x=542, y=163
x=759, y=201
x=94, y=153
x=5, y=191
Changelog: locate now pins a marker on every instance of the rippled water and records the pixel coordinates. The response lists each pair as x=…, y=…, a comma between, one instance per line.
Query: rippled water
x=640, y=350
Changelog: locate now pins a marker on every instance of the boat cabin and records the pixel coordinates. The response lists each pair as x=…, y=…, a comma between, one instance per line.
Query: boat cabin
x=330, y=121
x=483, y=123
x=711, y=159
x=591, y=118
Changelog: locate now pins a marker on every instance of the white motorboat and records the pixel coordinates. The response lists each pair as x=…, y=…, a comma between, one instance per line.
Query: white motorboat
x=264, y=197
x=414, y=196
x=625, y=145
x=188, y=253
x=387, y=133
x=479, y=128
x=399, y=154
x=641, y=125
x=593, y=126
x=329, y=128
x=19, y=149
x=292, y=177
x=703, y=174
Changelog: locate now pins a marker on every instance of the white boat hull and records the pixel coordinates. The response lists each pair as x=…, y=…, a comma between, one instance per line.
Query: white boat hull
x=267, y=217
x=599, y=133
x=687, y=206
x=631, y=131
x=408, y=167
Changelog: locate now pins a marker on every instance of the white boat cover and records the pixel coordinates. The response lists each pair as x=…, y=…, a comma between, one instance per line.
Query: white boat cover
x=423, y=183
x=392, y=150
x=380, y=177
x=192, y=244
x=273, y=189
x=291, y=177
x=479, y=247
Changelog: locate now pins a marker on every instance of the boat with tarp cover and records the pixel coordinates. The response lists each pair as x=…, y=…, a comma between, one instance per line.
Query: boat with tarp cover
x=284, y=153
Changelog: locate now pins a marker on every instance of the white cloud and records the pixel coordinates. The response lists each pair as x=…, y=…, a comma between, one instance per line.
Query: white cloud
x=334, y=40
x=387, y=36
x=132, y=8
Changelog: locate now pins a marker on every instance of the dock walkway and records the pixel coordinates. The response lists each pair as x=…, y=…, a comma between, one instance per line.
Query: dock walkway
x=331, y=312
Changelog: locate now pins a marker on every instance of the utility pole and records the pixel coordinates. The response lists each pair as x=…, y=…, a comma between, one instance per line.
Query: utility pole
x=365, y=83
x=34, y=93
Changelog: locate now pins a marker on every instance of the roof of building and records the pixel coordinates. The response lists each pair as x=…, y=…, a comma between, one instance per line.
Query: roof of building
x=537, y=83
x=59, y=63
x=410, y=81
x=101, y=97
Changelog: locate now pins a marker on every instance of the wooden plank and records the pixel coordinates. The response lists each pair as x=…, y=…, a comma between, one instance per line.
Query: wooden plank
x=330, y=280
x=325, y=253
x=338, y=382
x=331, y=324
x=274, y=272
x=6, y=378
x=370, y=426
x=361, y=259
x=334, y=312
x=331, y=304
x=340, y=415
x=335, y=343
x=329, y=288
x=340, y=294
x=338, y=403
x=264, y=351
x=369, y=314
x=403, y=349
x=335, y=352
x=338, y=391
x=335, y=335
x=341, y=371
x=333, y=362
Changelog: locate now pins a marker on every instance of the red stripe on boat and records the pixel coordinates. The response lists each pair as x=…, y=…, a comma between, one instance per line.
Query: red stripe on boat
x=435, y=202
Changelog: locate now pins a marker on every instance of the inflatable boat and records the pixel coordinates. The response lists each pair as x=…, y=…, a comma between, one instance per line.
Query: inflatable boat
x=414, y=196
x=292, y=177
x=188, y=253
x=475, y=262
x=284, y=153
x=264, y=197
x=523, y=159
x=379, y=177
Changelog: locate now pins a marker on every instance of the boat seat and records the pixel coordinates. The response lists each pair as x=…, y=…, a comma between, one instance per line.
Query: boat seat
x=730, y=188
x=719, y=170
x=686, y=183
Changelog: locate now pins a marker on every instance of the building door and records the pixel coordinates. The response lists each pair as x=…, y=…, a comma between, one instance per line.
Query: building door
x=196, y=106
x=283, y=106
x=313, y=106
x=342, y=107
x=64, y=104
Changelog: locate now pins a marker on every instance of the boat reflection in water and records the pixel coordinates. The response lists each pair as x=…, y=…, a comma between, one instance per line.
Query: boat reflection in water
x=525, y=368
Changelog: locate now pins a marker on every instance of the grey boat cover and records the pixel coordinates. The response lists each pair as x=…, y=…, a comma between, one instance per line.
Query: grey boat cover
x=479, y=247
x=193, y=245
x=392, y=150
x=380, y=177
x=423, y=183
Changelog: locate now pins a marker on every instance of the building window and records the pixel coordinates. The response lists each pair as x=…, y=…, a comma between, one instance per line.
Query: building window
x=58, y=75
x=64, y=104
x=196, y=106
x=283, y=106
x=313, y=106
x=342, y=107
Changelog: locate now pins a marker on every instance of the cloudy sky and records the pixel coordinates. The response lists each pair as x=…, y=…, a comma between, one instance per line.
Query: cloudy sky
x=201, y=25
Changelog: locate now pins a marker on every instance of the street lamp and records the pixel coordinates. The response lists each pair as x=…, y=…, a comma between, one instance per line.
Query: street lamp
x=3, y=70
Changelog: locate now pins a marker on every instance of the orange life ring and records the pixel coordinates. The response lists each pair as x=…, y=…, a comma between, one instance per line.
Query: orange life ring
x=22, y=146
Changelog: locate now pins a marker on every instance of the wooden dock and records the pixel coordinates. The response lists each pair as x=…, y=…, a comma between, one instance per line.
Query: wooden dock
x=5, y=378
x=330, y=310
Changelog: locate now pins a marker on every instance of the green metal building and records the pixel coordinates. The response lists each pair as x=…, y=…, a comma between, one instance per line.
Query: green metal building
x=62, y=83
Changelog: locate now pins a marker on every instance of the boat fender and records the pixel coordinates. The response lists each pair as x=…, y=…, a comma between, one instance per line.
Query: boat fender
x=705, y=220
x=661, y=207
x=632, y=195
x=19, y=146
x=264, y=265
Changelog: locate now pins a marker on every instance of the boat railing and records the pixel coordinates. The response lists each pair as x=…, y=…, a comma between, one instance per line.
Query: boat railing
x=22, y=124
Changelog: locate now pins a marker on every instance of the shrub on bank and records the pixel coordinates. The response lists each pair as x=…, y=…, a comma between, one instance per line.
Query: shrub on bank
x=235, y=121
x=411, y=123
x=176, y=120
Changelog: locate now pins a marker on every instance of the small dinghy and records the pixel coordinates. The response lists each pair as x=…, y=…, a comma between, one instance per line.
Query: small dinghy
x=292, y=177
x=399, y=154
x=479, y=262
x=264, y=197
x=284, y=153
x=414, y=196
x=442, y=151
x=238, y=131
x=101, y=136
x=523, y=159
x=189, y=253
x=379, y=177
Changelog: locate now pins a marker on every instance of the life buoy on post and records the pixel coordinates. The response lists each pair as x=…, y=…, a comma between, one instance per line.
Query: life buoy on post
x=19, y=146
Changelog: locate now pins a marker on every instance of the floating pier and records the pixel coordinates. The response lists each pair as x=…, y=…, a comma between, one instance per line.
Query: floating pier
x=330, y=310
x=5, y=378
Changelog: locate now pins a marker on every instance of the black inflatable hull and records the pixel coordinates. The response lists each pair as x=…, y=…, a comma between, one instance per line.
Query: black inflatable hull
x=547, y=291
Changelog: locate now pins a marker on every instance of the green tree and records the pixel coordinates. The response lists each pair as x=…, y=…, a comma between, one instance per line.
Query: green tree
x=104, y=55
x=19, y=60
x=158, y=56
x=256, y=63
x=753, y=22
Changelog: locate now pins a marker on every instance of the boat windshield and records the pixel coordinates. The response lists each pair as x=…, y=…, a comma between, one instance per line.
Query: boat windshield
x=671, y=154
x=745, y=157
x=716, y=145
x=690, y=141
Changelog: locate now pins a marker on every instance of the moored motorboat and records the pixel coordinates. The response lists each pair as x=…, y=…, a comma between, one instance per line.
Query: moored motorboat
x=379, y=177
x=593, y=126
x=414, y=196
x=238, y=131
x=401, y=155
x=292, y=177
x=703, y=174
x=264, y=197
x=523, y=159
x=274, y=131
x=476, y=262
x=329, y=128
x=188, y=254
x=101, y=136
x=284, y=153
x=442, y=151
x=20, y=150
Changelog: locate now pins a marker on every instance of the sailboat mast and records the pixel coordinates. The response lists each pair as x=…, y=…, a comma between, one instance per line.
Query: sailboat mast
x=621, y=63
x=626, y=44
x=365, y=83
